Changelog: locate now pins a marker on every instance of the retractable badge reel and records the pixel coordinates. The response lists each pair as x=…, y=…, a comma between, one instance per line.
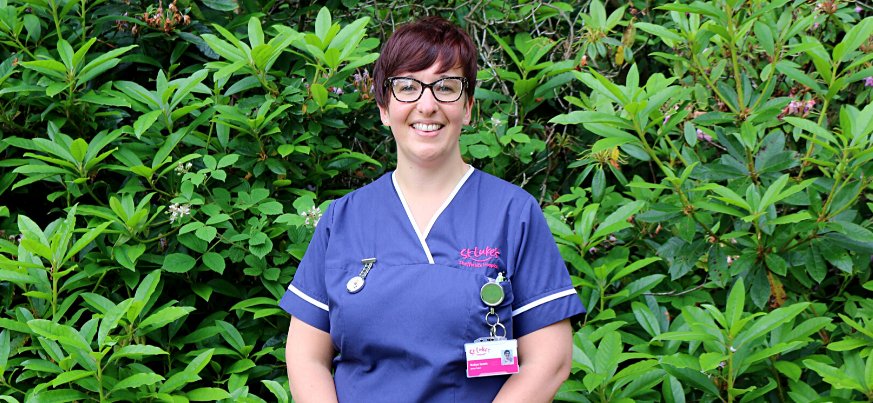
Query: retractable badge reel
x=495, y=354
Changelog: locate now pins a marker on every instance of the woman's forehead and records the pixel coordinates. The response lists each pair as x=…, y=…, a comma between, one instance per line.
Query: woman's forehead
x=434, y=71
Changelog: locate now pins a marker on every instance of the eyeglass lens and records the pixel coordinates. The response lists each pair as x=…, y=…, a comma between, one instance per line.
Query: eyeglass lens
x=445, y=90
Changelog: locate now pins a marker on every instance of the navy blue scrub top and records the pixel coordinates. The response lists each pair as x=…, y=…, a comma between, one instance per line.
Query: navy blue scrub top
x=401, y=338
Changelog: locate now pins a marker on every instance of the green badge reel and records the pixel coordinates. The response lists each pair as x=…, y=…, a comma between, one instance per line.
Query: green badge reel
x=492, y=295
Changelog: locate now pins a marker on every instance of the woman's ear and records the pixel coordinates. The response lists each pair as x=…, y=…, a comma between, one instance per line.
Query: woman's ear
x=468, y=110
x=383, y=114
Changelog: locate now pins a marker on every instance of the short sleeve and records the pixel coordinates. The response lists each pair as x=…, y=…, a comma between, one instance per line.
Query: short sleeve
x=306, y=296
x=541, y=284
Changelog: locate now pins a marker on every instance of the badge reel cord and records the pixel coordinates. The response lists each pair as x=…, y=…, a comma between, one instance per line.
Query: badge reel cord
x=492, y=295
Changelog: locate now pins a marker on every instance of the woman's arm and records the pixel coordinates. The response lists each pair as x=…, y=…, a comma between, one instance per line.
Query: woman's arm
x=308, y=354
x=545, y=358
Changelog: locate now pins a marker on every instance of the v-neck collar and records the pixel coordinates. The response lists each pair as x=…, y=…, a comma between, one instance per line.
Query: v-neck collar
x=422, y=236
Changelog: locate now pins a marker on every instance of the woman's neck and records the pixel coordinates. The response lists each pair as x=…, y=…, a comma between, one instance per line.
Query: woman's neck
x=430, y=180
x=425, y=189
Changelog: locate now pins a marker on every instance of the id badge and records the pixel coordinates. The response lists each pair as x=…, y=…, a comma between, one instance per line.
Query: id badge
x=491, y=357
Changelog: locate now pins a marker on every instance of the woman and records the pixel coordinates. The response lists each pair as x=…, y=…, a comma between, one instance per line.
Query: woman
x=394, y=277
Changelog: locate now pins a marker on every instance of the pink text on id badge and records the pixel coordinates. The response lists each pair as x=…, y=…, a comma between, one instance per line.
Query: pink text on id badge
x=489, y=357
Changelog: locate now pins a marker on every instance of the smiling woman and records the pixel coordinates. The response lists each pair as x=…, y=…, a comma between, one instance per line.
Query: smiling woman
x=407, y=275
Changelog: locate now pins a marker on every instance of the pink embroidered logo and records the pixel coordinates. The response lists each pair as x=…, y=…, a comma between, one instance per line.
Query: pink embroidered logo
x=480, y=255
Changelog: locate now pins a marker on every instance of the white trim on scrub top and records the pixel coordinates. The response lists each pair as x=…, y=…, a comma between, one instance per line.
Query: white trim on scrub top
x=543, y=300
x=422, y=237
x=307, y=298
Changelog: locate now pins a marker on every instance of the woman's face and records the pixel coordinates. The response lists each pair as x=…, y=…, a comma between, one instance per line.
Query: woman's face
x=427, y=131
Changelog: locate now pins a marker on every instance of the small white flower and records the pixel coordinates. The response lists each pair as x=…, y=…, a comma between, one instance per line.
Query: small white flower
x=181, y=169
x=733, y=350
x=495, y=121
x=313, y=215
x=177, y=211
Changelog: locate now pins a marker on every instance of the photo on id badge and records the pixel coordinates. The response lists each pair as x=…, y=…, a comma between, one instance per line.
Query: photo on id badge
x=506, y=358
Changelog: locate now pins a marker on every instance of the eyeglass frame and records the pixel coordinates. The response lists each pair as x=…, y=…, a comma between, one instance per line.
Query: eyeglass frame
x=389, y=80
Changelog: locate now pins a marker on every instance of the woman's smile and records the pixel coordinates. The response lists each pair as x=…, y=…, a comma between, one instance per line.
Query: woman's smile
x=427, y=128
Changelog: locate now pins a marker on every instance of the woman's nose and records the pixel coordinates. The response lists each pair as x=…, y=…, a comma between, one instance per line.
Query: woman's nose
x=427, y=104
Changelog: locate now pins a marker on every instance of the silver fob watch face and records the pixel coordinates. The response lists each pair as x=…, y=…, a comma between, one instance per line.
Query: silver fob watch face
x=355, y=284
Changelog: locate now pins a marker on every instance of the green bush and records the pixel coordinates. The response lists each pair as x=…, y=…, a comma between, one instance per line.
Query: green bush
x=704, y=168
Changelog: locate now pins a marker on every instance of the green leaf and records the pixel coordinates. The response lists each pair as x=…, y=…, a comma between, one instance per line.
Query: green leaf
x=78, y=149
x=659, y=31
x=692, y=377
x=608, y=352
x=769, y=322
x=65, y=335
x=165, y=316
x=831, y=375
x=815, y=264
x=136, y=351
x=110, y=320
x=736, y=302
x=37, y=248
x=322, y=25
x=811, y=127
x=270, y=208
x=848, y=344
x=221, y=5
x=144, y=122
x=579, y=117
x=206, y=233
x=137, y=380
x=855, y=231
x=609, y=143
x=86, y=239
x=16, y=277
x=58, y=396
x=4, y=349
x=207, y=395
x=202, y=290
x=319, y=94
x=791, y=218
x=277, y=389
x=214, y=262
x=776, y=264
x=178, y=263
x=646, y=318
x=231, y=335
x=177, y=381
x=685, y=336
x=797, y=75
x=859, y=34
x=789, y=369
x=672, y=390
x=227, y=160
x=198, y=363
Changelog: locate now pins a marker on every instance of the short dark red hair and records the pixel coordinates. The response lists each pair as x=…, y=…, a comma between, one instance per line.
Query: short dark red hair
x=417, y=46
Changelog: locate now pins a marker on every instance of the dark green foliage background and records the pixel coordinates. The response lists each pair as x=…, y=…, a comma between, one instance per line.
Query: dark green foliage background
x=704, y=167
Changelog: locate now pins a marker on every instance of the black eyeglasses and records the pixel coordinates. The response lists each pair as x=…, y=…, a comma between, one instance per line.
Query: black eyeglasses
x=408, y=89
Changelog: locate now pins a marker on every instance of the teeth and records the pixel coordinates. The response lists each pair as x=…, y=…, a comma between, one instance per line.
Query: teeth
x=426, y=128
